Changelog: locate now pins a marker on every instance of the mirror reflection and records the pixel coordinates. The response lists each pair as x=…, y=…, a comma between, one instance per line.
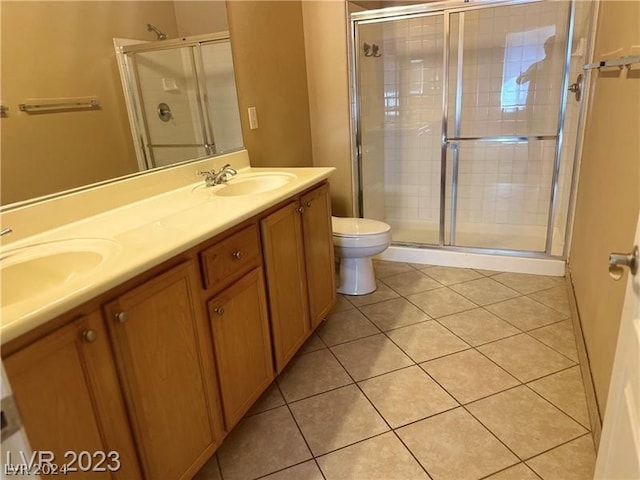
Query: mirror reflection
x=159, y=100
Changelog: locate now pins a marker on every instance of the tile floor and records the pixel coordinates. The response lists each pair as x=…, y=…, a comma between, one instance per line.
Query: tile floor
x=442, y=373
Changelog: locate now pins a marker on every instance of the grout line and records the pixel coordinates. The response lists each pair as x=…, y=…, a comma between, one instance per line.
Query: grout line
x=587, y=428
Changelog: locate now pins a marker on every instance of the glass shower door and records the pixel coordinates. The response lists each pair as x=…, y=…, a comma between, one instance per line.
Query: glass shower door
x=506, y=74
x=400, y=78
x=171, y=108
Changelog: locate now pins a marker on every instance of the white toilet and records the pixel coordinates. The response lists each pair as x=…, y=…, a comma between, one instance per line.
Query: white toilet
x=355, y=241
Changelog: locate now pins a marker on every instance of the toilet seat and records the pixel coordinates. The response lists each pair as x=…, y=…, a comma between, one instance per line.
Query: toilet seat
x=357, y=227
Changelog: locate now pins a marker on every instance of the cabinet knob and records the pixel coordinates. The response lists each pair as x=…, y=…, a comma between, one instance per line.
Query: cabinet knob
x=219, y=310
x=237, y=254
x=122, y=317
x=89, y=335
x=308, y=204
x=300, y=209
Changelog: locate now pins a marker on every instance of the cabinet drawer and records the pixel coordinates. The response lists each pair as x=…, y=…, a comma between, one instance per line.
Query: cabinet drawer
x=230, y=257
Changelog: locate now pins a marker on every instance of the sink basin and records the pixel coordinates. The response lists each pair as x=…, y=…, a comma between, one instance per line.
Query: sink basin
x=249, y=184
x=36, y=269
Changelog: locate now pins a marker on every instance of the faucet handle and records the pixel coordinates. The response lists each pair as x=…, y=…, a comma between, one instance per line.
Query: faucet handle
x=203, y=173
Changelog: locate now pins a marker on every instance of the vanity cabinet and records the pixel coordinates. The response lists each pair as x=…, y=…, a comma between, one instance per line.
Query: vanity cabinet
x=163, y=353
x=161, y=367
x=299, y=263
x=66, y=387
x=319, y=254
x=240, y=327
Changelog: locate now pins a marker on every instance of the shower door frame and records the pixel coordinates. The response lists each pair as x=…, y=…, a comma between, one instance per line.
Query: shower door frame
x=445, y=9
x=139, y=126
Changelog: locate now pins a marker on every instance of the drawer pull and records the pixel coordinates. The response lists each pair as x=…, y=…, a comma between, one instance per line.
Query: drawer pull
x=89, y=335
x=237, y=254
x=300, y=209
x=122, y=317
x=308, y=204
x=219, y=311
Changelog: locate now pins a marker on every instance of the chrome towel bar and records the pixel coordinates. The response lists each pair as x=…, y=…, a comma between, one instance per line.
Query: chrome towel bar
x=52, y=106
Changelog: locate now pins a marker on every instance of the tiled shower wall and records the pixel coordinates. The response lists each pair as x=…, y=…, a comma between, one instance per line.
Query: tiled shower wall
x=499, y=185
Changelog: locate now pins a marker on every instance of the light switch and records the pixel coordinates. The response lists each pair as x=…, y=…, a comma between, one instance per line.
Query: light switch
x=253, y=118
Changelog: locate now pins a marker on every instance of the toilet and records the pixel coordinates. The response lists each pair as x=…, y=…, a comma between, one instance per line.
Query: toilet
x=355, y=241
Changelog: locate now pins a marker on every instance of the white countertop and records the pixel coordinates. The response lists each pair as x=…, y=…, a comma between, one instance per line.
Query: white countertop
x=139, y=236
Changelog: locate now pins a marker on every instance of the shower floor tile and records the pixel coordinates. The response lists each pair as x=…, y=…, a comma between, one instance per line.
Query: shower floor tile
x=400, y=385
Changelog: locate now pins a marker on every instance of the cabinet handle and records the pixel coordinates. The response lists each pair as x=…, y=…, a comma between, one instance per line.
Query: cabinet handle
x=309, y=204
x=89, y=335
x=219, y=310
x=122, y=317
x=237, y=254
x=300, y=209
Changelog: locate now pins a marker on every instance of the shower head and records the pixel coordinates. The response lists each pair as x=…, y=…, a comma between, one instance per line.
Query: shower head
x=158, y=32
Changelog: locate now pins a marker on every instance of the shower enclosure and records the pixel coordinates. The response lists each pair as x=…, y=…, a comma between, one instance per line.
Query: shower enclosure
x=181, y=98
x=465, y=132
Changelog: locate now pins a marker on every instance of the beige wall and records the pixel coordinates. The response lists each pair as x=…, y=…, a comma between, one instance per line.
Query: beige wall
x=325, y=36
x=65, y=49
x=269, y=60
x=609, y=190
x=199, y=17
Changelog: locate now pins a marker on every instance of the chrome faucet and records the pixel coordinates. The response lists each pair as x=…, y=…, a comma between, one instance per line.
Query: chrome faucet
x=213, y=178
x=5, y=231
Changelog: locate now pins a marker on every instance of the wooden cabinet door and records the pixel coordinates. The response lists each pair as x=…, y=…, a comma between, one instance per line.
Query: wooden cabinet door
x=160, y=338
x=319, y=256
x=240, y=327
x=67, y=391
x=286, y=281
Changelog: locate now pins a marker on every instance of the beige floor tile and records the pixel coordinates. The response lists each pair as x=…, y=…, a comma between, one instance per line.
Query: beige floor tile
x=555, y=298
x=209, y=471
x=314, y=343
x=427, y=340
x=572, y=461
x=525, y=358
x=406, y=395
x=526, y=283
x=484, y=291
x=451, y=275
x=487, y=273
x=517, y=472
x=342, y=303
x=336, y=419
x=525, y=313
x=345, y=326
x=560, y=337
x=454, y=445
x=382, y=293
x=394, y=313
x=305, y=471
x=469, y=375
x=566, y=391
x=379, y=458
x=312, y=373
x=385, y=268
x=441, y=302
x=524, y=421
x=478, y=326
x=271, y=398
x=411, y=282
x=370, y=356
x=262, y=444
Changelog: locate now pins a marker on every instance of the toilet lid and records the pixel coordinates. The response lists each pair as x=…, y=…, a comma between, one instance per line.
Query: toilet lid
x=348, y=226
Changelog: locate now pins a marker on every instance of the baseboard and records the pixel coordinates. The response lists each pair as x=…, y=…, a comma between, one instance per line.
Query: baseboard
x=585, y=368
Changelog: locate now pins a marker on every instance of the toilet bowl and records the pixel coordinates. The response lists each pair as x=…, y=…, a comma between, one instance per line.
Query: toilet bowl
x=355, y=241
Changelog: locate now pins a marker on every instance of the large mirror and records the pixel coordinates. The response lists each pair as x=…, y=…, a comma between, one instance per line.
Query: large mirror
x=60, y=54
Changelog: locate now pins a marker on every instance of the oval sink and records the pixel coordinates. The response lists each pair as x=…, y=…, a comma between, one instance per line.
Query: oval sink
x=33, y=270
x=248, y=184
x=254, y=184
